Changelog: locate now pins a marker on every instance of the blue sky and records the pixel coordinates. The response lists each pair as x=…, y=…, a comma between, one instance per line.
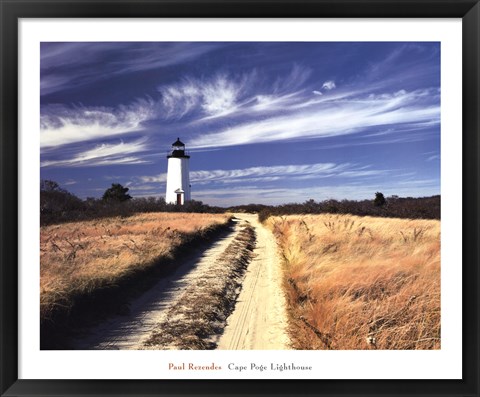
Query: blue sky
x=264, y=122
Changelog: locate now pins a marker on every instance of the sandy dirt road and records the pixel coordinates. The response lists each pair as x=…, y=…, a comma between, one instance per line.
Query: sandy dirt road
x=129, y=332
x=259, y=320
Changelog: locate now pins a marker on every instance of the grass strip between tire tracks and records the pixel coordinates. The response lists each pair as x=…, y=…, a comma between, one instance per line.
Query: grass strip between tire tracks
x=205, y=305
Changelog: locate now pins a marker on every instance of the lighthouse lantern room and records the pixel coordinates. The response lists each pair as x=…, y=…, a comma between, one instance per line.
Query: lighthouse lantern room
x=178, y=179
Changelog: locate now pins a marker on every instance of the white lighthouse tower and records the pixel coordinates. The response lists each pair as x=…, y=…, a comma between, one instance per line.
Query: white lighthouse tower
x=178, y=178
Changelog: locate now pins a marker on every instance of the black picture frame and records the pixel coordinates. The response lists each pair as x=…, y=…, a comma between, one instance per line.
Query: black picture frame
x=13, y=10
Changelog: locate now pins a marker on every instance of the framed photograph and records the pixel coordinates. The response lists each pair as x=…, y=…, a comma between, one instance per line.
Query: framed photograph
x=239, y=198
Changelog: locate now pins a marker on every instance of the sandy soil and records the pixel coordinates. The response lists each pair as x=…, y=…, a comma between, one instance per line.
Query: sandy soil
x=259, y=320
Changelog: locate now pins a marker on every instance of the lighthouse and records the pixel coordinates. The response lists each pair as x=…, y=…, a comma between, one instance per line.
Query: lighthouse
x=178, y=178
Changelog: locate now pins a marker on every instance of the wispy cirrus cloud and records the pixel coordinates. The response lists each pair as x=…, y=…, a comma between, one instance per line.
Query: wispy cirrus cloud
x=218, y=95
x=354, y=189
x=226, y=94
x=257, y=194
x=274, y=173
x=61, y=125
x=295, y=80
x=104, y=154
x=334, y=117
x=355, y=186
x=91, y=63
x=259, y=174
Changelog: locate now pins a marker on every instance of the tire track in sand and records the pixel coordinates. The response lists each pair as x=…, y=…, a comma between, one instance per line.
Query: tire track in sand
x=259, y=320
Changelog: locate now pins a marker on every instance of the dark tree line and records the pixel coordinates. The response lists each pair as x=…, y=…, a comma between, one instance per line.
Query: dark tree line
x=57, y=205
x=391, y=207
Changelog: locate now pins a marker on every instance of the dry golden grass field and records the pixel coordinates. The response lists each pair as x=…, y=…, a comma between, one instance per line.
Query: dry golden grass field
x=82, y=257
x=361, y=282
